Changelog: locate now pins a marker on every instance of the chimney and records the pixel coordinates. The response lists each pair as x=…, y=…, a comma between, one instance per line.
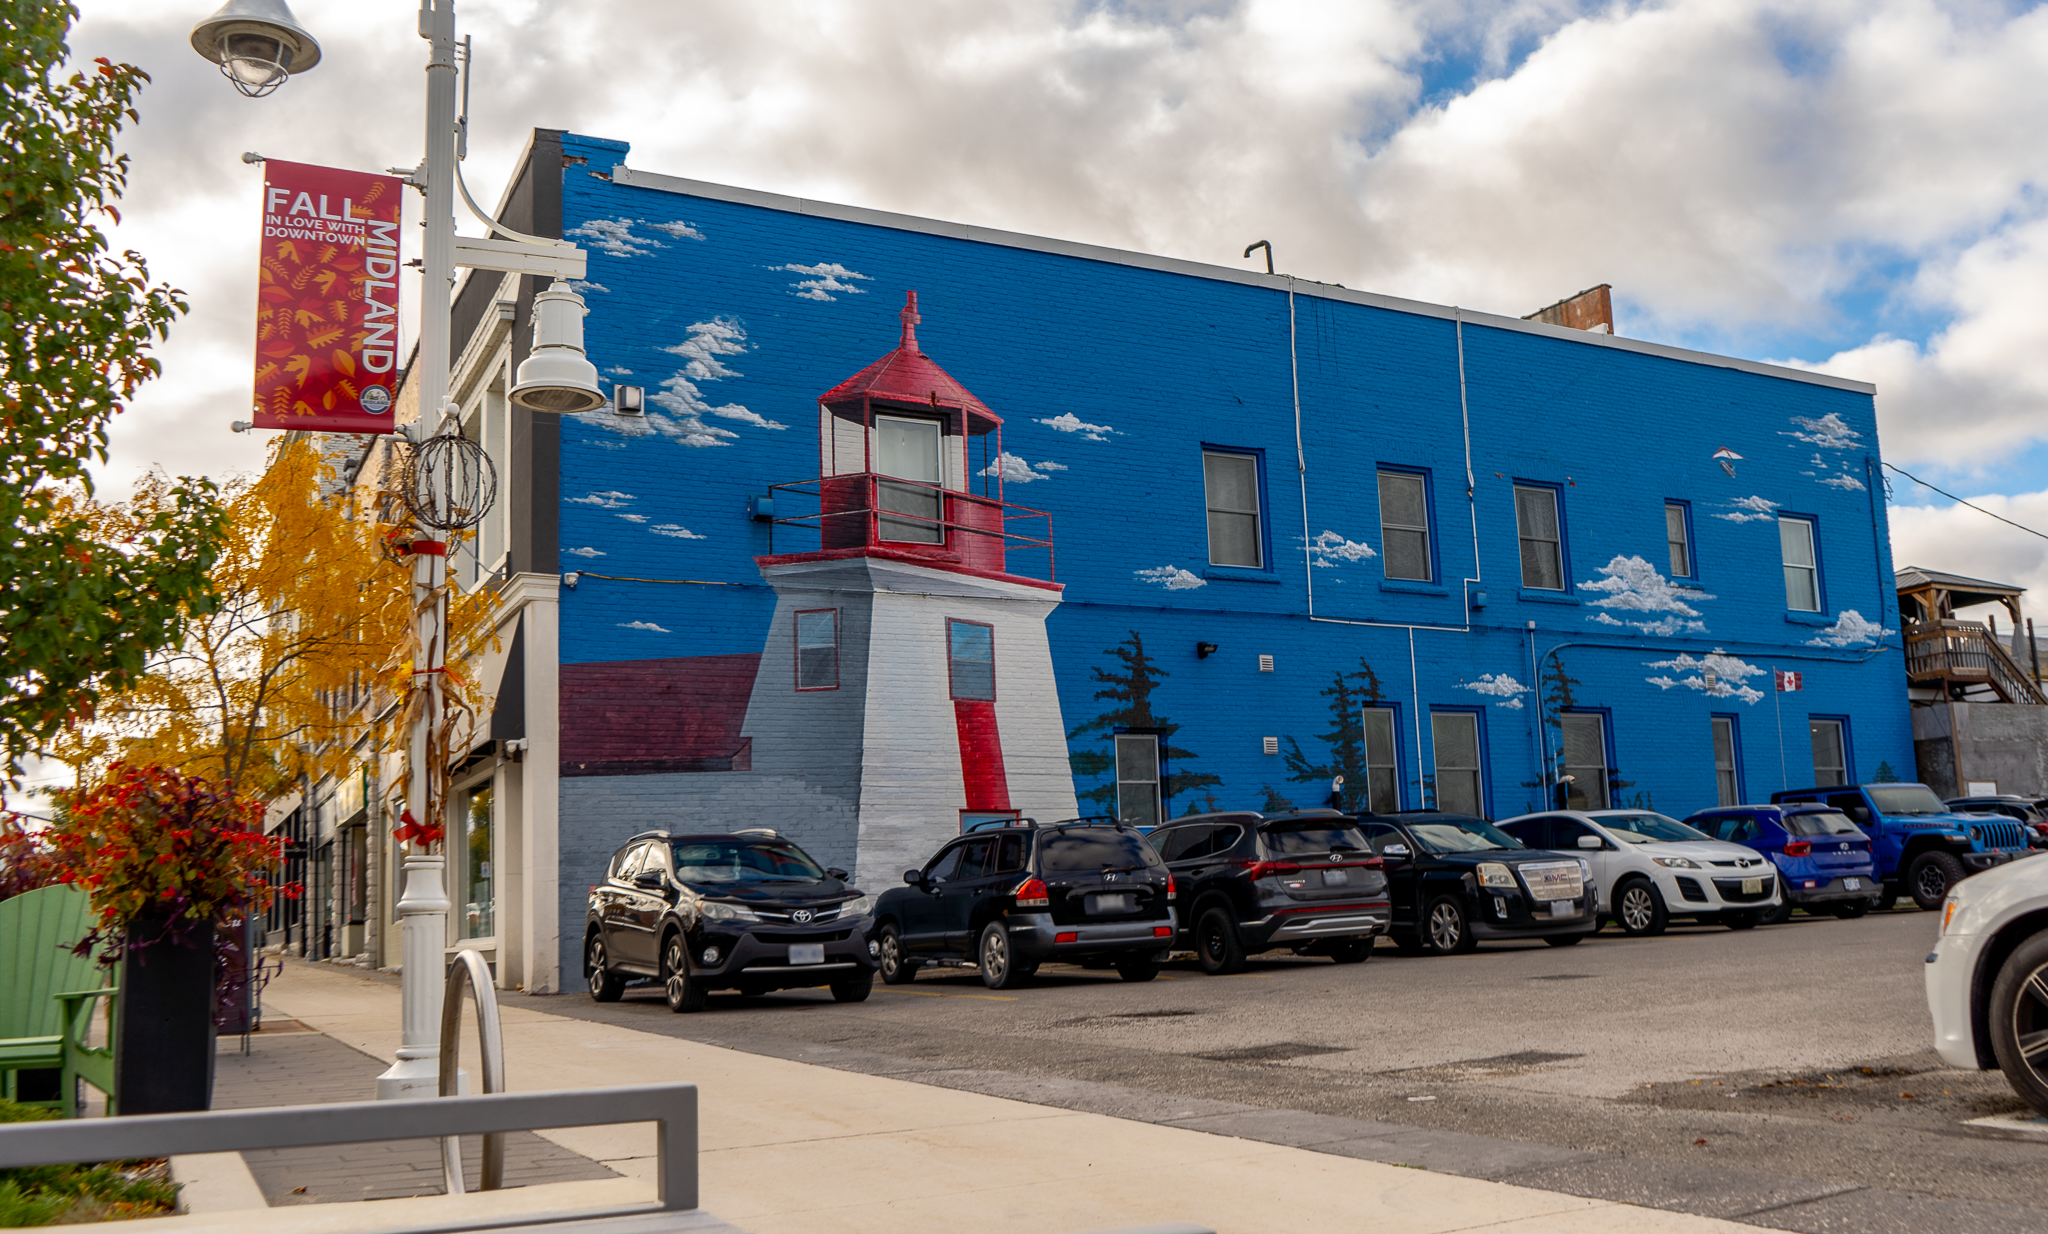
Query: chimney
x=1591, y=309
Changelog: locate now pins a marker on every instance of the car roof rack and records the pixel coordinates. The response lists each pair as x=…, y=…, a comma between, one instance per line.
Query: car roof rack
x=648, y=835
x=770, y=832
x=1094, y=820
x=997, y=824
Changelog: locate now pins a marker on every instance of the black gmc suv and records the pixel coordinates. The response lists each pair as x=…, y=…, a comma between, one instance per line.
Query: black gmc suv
x=1245, y=883
x=747, y=911
x=1010, y=898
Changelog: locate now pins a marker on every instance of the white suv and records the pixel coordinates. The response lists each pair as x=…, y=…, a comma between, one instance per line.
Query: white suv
x=1650, y=868
x=1987, y=977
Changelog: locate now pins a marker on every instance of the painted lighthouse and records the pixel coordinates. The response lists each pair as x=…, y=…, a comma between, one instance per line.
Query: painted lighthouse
x=907, y=667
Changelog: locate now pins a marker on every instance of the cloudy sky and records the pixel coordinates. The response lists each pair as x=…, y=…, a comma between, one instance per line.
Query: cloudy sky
x=1853, y=187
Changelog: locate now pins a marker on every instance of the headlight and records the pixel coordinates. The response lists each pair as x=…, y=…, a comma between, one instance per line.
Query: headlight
x=715, y=911
x=1494, y=874
x=857, y=908
x=1976, y=834
x=1675, y=863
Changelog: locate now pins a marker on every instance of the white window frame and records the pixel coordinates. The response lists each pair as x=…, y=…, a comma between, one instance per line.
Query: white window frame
x=1131, y=813
x=1523, y=539
x=1809, y=569
x=1678, y=519
x=1727, y=775
x=797, y=636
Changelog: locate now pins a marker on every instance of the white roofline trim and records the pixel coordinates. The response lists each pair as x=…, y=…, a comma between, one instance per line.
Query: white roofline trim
x=622, y=174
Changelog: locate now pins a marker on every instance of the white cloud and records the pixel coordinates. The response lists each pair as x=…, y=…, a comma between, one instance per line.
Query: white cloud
x=618, y=370
x=1750, y=510
x=1011, y=468
x=1829, y=431
x=1731, y=675
x=1501, y=686
x=585, y=551
x=1962, y=541
x=607, y=500
x=676, y=231
x=675, y=531
x=644, y=625
x=733, y=411
x=1330, y=549
x=1173, y=578
x=1068, y=422
x=826, y=278
x=586, y=285
x=615, y=237
x=634, y=518
x=1633, y=585
x=703, y=351
x=1851, y=629
x=1049, y=465
x=1844, y=482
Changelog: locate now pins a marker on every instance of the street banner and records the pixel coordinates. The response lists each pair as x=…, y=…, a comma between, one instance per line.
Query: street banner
x=1789, y=683
x=327, y=300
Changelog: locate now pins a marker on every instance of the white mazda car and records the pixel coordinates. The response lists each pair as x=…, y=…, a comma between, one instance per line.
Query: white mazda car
x=1987, y=977
x=1650, y=868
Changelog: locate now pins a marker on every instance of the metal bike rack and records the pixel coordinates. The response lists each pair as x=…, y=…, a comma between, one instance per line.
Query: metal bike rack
x=470, y=970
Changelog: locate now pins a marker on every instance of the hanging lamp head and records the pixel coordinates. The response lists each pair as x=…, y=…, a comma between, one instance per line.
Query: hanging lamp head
x=557, y=376
x=258, y=44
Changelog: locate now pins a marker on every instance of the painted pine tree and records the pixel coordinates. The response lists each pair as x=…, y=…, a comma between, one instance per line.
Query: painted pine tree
x=1128, y=684
x=1349, y=694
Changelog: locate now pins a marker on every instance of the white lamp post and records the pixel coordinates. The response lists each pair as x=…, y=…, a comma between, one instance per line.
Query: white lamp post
x=258, y=45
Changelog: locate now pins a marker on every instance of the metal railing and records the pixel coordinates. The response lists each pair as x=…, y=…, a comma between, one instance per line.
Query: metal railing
x=864, y=522
x=469, y=969
x=1965, y=651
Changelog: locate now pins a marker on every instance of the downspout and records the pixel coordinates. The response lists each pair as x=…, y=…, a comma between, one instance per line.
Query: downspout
x=1471, y=485
x=1308, y=572
x=1415, y=705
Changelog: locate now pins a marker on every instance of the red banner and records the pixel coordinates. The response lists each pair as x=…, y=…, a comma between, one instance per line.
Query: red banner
x=327, y=300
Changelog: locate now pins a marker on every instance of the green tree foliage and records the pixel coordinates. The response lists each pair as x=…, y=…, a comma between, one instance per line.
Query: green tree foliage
x=1349, y=694
x=1128, y=686
x=78, y=615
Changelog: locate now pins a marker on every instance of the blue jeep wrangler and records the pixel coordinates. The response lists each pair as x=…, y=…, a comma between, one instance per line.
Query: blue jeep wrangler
x=1920, y=847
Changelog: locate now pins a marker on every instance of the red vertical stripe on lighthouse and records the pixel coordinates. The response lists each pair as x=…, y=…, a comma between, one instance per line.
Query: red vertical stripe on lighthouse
x=981, y=754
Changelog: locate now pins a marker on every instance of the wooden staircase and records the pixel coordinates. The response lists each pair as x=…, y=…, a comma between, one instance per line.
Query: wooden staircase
x=1968, y=663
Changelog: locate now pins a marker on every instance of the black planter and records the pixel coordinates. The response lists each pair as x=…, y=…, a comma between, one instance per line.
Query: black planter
x=163, y=1049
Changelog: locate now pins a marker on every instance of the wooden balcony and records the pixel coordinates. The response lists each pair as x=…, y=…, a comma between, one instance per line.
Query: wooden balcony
x=1966, y=661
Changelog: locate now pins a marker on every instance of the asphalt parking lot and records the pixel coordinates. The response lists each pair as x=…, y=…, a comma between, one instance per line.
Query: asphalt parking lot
x=1782, y=1076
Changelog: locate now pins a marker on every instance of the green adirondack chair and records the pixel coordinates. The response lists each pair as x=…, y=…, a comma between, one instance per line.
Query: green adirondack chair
x=47, y=995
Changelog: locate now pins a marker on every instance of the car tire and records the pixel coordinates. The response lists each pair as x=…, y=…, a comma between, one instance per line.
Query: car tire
x=605, y=985
x=1446, y=929
x=1776, y=916
x=1853, y=910
x=855, y=991
x=999, y=969
x=1886, y=899
x=1137, y=968
x=1351, y=950
x=1640, y=909
x=1564, y=940
x=1742, y=921
x=1930, y=878
x=679, y=989
x=2019, y=1011
x=1217, y=945
x=897, y=968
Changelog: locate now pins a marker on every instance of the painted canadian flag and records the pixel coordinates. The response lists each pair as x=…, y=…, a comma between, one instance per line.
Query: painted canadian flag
x=1788, y=683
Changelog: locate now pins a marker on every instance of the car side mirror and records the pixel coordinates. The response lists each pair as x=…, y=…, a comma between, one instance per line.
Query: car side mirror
x=836, y=872
x=1589, y=841
x=914, y=877
x=649, y=880
x=1395, y=852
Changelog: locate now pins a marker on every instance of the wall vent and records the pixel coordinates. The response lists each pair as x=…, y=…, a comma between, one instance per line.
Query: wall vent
x=1272, y=745
x=1265, y=664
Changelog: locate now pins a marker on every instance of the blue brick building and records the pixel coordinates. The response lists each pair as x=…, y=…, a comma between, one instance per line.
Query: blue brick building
x=1295, y=530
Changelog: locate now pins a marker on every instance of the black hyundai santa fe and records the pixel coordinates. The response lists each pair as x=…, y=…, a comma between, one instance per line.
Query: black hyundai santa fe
x=749, y=911
x=1008, y=899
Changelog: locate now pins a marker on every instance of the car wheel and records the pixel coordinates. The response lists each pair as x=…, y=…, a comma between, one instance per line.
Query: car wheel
x=682, y=991
x=1564, y=940
x=605, y=985
x=897, y=968
x=1351, y=950
x=1851, y=911
x=1137, y=968
x=855, y=991
x=998, y=972
x=1640, y=909
x=2019, y=1021
x=1777, y=916
x=1742, y=921
x=1217, y=945
x=1446, y=931
x=1929, y=878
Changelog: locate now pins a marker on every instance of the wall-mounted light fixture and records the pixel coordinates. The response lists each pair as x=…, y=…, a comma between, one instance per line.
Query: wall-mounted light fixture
x=761, y=509
x=570, y=579
x=1204, y=650
x=629, y=400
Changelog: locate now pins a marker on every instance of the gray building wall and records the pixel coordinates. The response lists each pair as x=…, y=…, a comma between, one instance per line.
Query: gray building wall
x=2004, y=743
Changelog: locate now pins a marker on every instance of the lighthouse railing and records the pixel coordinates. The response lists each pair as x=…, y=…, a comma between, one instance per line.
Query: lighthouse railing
x=850, y=513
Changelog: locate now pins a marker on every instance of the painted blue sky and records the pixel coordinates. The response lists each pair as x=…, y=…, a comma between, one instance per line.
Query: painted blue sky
x=1853, y=187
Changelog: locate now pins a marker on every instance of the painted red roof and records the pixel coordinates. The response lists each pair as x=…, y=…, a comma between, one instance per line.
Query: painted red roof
x=907, y=375
x=627, y=717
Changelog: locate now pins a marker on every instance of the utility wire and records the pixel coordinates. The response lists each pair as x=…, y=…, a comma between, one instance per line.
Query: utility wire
x=1959, y=501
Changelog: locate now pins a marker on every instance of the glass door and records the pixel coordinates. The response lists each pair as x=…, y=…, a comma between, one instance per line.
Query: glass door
x=908, y=449
x=477, y=917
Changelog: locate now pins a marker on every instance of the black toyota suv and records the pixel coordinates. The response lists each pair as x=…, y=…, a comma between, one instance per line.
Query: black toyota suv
x=1010, y=898
x=747, y=911
x=1245, y=883
x=1455, y=879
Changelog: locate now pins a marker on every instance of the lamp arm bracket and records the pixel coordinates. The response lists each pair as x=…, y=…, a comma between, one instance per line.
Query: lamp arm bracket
x=415, y=176
x=485, y=217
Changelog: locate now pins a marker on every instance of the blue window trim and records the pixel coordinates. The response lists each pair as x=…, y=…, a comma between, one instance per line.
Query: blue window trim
x=1735, y=743
x=1403, y=799
x=1564, y=538
x=1485, y=752
x=1692, y=542
x=1436, y=572
x=1820, y=567
x=1258, y=456
x=1849, y=775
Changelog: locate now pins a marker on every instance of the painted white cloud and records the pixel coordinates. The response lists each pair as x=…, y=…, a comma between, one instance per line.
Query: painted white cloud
x=644, y=625
x=676, y=230
x=675, y=531
x=1330, y=549
x=607, y=500
x=1750, y=510
x=1173, y=578
x=585, y=285
x=1633, y=585
x=1851, y=629
x=1011, y=468
x=1829, y=432
x=1500, y=686
x=615, y=237
x=1049, y=465
x=585, y=551
x=681, y=397
x=1068, y=422
x=825, y=279
x=1844, y=482
x=618, y=370
x=1731, y=675
x=634, y=518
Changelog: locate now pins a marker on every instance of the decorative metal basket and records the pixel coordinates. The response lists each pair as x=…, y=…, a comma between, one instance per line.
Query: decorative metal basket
x=449, y=482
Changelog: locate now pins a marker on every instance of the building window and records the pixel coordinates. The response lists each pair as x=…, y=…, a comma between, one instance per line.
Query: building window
x=1382, y=771
x=1678, y=537
x=1137, y=779
x=1727, y=776
x=1585, y=760
x=1460, y=788
x=971, y=659
x=1536, y=523
x=909, y=450
x=1830, y=751
x=477, y=919
x=1802, y=564
x=1404, y=525
x=1232, y=483
x=817, y=649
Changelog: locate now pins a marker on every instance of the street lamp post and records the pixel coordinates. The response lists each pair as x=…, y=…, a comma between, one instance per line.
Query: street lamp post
x=258, y=45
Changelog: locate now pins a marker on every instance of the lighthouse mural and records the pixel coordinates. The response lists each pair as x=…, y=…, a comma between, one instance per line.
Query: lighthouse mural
x=907, y=666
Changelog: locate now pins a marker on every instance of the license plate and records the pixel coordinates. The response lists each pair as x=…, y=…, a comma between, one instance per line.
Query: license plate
x=1852, y=884
x=1562, y=908
x=807, y=953
x=1119, y=902
x=1752, y=886
x=1335, y=878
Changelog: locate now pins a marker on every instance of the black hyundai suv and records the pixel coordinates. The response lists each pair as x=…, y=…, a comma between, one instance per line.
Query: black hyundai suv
x=1010, y=898
x=748, y=911
x=1248, y=882
x=1455, y=880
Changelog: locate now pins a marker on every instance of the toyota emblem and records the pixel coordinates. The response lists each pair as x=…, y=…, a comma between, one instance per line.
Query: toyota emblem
x=801, y=916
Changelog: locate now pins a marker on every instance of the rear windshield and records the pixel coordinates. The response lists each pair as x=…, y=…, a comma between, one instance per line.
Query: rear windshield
x=1825, y=824
x=742, y=861
x=1083, y=849
x=1643, y=828
x=1905, y=799
x=1293, y=839
x=1461, y=835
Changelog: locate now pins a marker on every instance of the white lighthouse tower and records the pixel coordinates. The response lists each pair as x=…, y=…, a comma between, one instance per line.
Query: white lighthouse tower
x=906, y=668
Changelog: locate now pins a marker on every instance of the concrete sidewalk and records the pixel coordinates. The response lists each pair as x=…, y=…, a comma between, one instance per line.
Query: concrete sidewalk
x=793, y=1148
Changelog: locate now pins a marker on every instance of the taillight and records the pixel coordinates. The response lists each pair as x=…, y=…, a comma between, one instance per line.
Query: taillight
x=1799, y=848
x=1162, y=932
x=1067, y=938
x=1266, y=869
x=1032, y=893
x=1169, y=886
